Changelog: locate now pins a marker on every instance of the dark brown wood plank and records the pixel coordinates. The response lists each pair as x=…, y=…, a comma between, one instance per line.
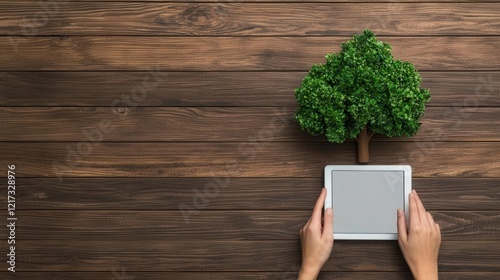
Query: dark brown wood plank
x=243, y=159
x=166, y=193
x=225, y=53
x=472, y=90
x=150, y=124
x=468, y=225
x=454, y=124
x=285, y=275
x=459, y=194
x=167, y=225
x=402, y=275
x=188, y=223
x=438, y=194
x=284, y=19
x=174, y=88
x=209, y=255
x=243, y=275
x=137, y=124
x=126, y=275
x=475, y=89
x=60, y=2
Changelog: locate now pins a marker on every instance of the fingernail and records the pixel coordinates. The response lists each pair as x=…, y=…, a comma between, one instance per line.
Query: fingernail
x=329, y=211
x=400, y=212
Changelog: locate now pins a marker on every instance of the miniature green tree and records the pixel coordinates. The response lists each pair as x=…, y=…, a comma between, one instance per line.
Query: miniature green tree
x=359, y=92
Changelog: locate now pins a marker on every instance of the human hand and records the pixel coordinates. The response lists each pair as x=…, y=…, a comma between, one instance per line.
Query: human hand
x=420, y=243
x=316, y=242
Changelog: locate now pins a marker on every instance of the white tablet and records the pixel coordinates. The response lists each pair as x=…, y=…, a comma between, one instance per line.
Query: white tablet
x=365, y=199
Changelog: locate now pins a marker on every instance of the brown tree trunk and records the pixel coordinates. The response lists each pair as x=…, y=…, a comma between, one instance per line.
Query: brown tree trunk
x=363, y=140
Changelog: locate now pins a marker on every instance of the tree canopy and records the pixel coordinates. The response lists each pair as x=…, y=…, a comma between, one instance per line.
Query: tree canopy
x=363, y=86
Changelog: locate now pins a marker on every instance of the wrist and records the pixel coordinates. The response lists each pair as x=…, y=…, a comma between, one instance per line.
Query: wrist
x=426, y=277
x=307, y=274
x=426, y=274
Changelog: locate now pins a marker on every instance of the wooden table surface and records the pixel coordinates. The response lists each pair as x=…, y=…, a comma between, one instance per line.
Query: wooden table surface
x=155, y=139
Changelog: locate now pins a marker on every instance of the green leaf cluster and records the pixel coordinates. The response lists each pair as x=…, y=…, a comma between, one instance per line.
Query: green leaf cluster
x=362, y=86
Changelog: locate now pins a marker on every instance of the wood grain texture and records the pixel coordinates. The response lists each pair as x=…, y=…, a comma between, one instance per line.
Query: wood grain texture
x=243, y=275
x=263, y=89
x=438, y=194
x=261, y=255
x=135, y=124
x=188, y=223
x=244, y=159
x=277, y=1
x=247, y=19
x=225, y=53
x=219, y=76
x=459, y=194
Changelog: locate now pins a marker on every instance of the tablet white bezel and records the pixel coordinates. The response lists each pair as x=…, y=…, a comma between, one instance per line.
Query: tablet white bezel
x=406, y=169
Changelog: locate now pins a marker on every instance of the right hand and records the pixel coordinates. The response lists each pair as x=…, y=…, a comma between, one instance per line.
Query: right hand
x=420, y=243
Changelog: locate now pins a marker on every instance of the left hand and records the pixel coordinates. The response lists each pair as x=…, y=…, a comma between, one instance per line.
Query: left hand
x=316, y=240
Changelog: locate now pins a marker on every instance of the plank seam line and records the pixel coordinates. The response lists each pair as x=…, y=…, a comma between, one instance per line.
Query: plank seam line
x=249, y=36
x=236, y=178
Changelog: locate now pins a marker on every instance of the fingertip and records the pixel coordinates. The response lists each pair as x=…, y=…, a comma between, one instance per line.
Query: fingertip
x=401, y=217
x=329, y=212
x=323, y=192
x=318, y=207
x=400, y=212
x=328, y=223
x=401, y=225
x=411, y=200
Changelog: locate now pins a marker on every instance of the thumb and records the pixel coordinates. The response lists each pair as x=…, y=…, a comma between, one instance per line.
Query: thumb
x=328, y=223
x=402, y=232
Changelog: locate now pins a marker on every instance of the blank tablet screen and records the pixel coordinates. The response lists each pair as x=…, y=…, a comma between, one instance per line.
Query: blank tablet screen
x=367, y=201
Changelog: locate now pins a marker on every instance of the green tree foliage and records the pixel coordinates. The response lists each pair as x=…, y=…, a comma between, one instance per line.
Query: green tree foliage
x=362, y=86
